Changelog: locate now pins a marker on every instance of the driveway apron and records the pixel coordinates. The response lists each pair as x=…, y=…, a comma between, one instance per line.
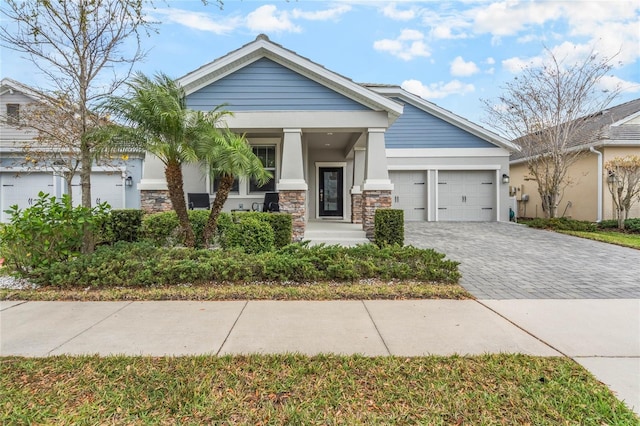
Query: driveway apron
x=512, y=261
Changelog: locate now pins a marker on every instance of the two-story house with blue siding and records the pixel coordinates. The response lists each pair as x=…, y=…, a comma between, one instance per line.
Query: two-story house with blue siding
x=339, y=150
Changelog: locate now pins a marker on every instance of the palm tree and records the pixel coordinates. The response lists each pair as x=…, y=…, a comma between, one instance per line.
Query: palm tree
x=227, y=155
x=157, y=120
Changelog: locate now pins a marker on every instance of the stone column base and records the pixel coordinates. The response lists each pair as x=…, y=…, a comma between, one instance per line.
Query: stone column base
x=372, y=201
x=294, y=203
x=356, y=208
x=155, y=201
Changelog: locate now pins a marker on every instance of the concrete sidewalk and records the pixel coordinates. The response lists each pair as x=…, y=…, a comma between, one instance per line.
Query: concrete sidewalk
x=602, y=335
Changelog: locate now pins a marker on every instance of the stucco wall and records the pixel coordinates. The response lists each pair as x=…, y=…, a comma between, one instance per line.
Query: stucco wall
x=610, y=153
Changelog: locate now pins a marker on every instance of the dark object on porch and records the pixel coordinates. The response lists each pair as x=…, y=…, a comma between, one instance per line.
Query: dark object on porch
x=198, y=201
x=270, y=203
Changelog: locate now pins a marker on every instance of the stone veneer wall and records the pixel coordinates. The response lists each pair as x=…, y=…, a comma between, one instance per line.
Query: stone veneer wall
x=373, y=200
x=294, y=202
x=356, y=208
x=154, y=201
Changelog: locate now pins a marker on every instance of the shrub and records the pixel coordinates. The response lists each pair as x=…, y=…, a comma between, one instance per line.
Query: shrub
x=121, y=225
x=631, y=225
x=389, y=227
x=49, y=231
x=249, y=234
x=282, y=225
x=562, y=224
x=142, y=264
x=163, y=229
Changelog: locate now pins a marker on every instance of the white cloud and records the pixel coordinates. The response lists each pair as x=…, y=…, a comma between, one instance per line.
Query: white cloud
x=267, y=19
x=409, y=45
x=322, y=15
x=490, y=60
x=437, y=90
x=611, y=83
x=460, y=68
x=198, y=20
x=390, y=11
x=446, y=27
x=510, y=17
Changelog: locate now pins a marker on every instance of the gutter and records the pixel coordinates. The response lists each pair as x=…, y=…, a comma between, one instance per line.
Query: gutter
x=599, y=154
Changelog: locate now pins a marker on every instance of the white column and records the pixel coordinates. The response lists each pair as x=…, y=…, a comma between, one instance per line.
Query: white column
x=359, y=159
x=376, y=171
x=292, y=171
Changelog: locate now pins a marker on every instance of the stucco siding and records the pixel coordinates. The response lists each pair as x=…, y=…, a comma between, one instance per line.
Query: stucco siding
x=416, y=128
x=609, y=153
x=265, y=85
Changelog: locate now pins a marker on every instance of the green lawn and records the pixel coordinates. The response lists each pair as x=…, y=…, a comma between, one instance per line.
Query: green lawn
x=296, y=389
x=611, y=237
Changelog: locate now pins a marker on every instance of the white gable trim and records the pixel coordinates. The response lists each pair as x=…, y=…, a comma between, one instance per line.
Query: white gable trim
x=263, y=48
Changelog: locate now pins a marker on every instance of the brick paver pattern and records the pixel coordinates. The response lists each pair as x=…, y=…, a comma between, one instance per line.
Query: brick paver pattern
x=512, y=261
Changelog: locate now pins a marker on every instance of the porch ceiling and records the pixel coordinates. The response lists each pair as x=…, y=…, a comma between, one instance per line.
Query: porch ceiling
x=330, y=140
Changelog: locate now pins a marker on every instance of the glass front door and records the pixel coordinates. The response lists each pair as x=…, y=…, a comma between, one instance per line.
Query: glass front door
x=330, y=192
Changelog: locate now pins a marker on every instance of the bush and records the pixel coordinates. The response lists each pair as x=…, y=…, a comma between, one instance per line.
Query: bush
x=249, y=234
x=389, y=227
x=562, y=224
x=49, y=231
x=282, y=225
x=121, y=225
x=142, y=264
x=631, y=225
x=163, y=229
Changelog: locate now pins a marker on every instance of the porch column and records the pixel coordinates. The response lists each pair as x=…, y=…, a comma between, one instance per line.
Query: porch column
x=376, y=190
x=359, y=155
x=154, y=194
x=292, y=187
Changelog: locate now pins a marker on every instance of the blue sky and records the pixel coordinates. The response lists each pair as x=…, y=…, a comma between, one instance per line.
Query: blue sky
x=451, y=53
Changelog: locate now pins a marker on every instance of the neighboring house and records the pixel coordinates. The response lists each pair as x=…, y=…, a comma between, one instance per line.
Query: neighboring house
x=615, y=133
x=339, y=150
x=22, y=178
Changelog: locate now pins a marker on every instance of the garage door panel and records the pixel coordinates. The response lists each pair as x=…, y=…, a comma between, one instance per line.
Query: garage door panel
x=105, y=187
x=466, y=195
x=22, y=189
x=410, y=194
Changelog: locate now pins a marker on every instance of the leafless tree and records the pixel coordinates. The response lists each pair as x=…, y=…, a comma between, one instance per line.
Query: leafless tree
x=545, y=110
x=623, y=181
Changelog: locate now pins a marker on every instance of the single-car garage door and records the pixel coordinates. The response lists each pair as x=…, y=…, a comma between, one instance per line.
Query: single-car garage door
x=466, y=195
x=410, y=194
x=22, y=189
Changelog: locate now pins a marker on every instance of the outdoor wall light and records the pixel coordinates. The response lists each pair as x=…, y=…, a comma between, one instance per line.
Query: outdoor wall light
x=505, y=178
x=128, y=181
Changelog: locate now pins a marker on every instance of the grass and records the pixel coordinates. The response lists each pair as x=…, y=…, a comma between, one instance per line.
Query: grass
x=364, y=290
x=611, y=237
x=296, y=389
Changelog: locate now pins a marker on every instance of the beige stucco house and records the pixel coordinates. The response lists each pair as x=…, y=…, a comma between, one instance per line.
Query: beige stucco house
x=616, y=134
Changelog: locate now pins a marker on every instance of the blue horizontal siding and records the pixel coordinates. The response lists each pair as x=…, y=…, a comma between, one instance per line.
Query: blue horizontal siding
x=416, y=128
x=265, y=85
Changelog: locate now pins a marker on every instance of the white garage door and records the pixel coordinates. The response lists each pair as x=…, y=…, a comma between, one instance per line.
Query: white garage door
x=22, y=189
x=105, y=187
x=410, y=194
x=466, y=195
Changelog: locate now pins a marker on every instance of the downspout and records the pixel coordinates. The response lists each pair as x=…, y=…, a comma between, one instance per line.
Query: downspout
x=599, y=154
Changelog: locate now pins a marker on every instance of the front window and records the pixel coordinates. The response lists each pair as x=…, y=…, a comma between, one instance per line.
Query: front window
x=267, y=155
x=235, y=188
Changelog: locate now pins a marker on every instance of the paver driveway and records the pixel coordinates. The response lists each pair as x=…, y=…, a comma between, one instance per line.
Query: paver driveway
x=512, y=261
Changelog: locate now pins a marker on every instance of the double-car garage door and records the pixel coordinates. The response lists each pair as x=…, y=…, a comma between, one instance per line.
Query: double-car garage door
x=23, y=188
x=462, y=195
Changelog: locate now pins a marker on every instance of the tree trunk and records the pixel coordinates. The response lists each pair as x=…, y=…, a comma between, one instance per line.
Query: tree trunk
x=173, y=174
x=226, y=183
x=88, y=243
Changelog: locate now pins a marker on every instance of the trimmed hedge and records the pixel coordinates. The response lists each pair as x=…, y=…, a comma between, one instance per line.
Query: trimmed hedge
x=389, y=227
x=562, y=224
x=121, y=225
x=142, y=264
x=248, y=234
x=630, y=225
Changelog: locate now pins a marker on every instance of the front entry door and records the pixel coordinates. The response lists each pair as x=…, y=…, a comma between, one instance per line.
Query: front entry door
x=330, y=196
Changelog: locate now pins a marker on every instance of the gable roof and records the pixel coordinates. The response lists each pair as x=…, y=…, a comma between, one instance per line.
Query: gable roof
x=262, y=47
x=7, y=85
x=607, y=127
x=443, y=114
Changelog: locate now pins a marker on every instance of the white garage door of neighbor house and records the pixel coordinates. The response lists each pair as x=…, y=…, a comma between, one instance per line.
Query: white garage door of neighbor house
x=105, y=187
x=410, y=194
x=22, y=189
x=466, y=195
